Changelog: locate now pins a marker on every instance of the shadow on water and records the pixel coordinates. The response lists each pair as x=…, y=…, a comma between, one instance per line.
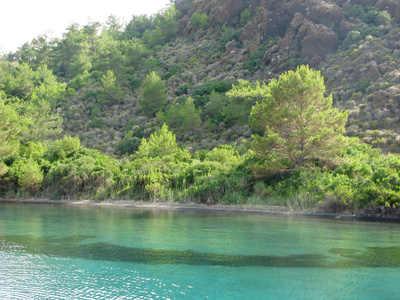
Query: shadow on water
x=73, y=247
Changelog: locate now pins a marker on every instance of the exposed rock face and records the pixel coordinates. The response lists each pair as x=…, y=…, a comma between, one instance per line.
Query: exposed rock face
x=321, y=12
x=224, y=12
x=313, y=41
x=266, y=25
x=303, y=25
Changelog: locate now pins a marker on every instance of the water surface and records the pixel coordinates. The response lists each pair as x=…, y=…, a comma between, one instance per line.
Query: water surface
x=65, y=252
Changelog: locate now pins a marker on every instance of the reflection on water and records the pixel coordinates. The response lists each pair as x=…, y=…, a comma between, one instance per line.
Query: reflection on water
x=91, y=253
x=70, y=246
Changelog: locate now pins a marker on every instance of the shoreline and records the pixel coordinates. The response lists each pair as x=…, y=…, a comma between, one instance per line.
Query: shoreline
x=195, y=207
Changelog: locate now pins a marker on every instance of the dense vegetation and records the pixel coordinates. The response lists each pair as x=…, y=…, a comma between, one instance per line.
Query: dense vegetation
x=114, y=112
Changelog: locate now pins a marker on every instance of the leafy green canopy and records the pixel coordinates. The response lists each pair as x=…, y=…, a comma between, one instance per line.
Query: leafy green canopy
x=9, y=128
x=300, y=125
x=154, y=96
x=160, y=143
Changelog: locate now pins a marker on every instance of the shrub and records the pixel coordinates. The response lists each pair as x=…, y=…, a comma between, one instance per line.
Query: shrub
x=199, y=20
x=245, y=17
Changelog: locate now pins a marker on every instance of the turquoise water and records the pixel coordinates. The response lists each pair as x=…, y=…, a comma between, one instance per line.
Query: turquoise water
x=64, y=252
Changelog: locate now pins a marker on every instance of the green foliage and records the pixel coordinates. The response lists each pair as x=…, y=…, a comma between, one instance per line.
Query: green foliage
x=300, y=126
x=111, y=92
x=137, y=26
x=96, y=123
x=245, y=17
x=363, y=83
x=254, y=62
x=86, y=174
x=352, y=37
x=183, y=118
x=229, y=33
x=154, y=97
x=80, y=81
x=202, y=93
x=10, y=127
x=43, y=123
x=366, y=178
x=32, y=150
x=86, y=73
x=215, y=107
x=129, y=144
x=30, y=175
x=183, y=89
x=160, y=143
x=199, y=20
x=166, y=29
x=63, y=148
x=37, y=52
x=369, y=15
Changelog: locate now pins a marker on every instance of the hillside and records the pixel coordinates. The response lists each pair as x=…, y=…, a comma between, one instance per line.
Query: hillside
x=199, y=48
x=211, y=102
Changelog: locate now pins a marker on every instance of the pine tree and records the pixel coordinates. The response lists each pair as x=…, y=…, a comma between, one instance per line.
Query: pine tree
x=154, y=97
x=300, y=125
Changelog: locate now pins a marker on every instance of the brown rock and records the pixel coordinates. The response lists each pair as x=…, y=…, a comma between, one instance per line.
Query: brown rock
x=345, y=27
x=373, y=71
x=326, y=13
x=313, y=39
x=382, y=69
x=299, y=6
x=379, y=99
x=315, y=62
x=267, y=24
x=289, y=43
x=224, y=12
x=320, y=41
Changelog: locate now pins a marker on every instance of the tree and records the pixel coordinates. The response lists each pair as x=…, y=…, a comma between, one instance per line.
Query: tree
x=300, y=125
x=154, y=97
x=137, y=26
x=199, y=20
x=160, y=143
x=183, y=118
x=42, y=123
x=110, y=92
x=167, y=24
x=30, y=175
x=245, y=17
x=10, y=127
x=35, y=53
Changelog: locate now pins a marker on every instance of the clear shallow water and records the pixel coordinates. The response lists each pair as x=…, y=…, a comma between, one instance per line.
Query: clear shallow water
x=63, y=252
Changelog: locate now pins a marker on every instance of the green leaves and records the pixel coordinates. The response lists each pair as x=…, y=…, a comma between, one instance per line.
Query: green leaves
x=300, y=126
x=199, y=20
x=161, y=143
x=10, y=127
x=183, y=118
x=154, y=97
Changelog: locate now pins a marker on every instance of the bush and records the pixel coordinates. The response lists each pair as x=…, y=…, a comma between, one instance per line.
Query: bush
x=30, y=175
x=245, y=17
x=96, y=123
x=199, y=20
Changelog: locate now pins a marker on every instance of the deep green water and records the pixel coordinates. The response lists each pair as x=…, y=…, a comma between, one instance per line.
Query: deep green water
x=64, y=252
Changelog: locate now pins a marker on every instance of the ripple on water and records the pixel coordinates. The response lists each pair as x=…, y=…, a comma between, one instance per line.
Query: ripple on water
x=25, y=276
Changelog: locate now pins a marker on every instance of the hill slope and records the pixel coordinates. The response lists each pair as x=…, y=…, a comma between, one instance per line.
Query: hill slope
x=199, y=48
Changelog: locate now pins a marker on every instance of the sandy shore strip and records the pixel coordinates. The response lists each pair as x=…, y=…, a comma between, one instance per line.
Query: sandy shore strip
x=194, y=207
